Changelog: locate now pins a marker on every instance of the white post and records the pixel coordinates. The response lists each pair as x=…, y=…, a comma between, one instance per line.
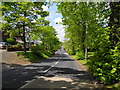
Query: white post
x=86, y=54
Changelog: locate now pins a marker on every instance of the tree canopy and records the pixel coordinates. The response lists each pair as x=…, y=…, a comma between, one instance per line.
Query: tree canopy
x=94, y=27
x=27, y=18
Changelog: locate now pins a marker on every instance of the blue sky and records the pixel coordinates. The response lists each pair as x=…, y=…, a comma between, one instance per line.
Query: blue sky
x=53, y=18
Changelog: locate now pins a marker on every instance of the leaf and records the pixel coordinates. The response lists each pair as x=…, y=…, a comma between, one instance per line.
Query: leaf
x=113, y=70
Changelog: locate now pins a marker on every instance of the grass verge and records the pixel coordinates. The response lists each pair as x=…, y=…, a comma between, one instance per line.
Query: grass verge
x=84, y=62
x=32, y=57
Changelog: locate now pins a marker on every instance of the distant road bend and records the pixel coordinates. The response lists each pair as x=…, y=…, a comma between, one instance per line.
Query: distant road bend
x=59, y=71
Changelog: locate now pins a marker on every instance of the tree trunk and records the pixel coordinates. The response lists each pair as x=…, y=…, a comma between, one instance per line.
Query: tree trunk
x=24, y=37
x=114, y=22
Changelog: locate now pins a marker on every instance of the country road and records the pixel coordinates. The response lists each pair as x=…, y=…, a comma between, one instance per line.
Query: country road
x=59, y=71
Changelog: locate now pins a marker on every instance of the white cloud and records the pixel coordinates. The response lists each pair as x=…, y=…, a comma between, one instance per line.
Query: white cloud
x=45, y=8
x=58, y=20
x=58, y=14
x=60, y=30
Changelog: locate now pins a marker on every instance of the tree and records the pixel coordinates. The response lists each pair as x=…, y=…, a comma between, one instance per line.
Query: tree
x=47, y=36
x=19, y=15
x=87, y=26
x=114, y=23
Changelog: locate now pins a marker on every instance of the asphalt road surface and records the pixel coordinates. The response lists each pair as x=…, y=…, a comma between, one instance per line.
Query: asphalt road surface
x=57, y=72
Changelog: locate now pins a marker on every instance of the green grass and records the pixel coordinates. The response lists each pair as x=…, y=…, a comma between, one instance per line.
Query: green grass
x=44, y=55
x=113, y=87
x=84, y=62
x=33, y=57
x=73, y=56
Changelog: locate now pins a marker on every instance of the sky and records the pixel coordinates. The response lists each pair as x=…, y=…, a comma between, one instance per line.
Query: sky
x=54, y=18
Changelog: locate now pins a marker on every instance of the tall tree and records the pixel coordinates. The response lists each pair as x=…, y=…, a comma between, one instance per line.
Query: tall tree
x=19, y=16
x=81, y=20
x=114, y=23
x=87, y=25
x=47, y=36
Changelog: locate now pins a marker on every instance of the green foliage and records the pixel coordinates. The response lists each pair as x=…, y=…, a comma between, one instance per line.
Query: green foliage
x=19, y=15
x=36, y=50
x=37, y=53
x=80, y=55
x=118, y=45
x=48, y=53
x=10, y=40
x=85, y=29
x=106, y=66
x=47, y=35
x=17, y=45
x=28, y=18
x=40, y=51
x=70, y=52
x=32, y=57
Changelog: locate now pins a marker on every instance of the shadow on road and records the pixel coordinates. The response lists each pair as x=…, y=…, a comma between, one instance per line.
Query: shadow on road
x=16, y=78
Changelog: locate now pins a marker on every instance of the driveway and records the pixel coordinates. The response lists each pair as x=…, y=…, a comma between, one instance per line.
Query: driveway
x=10, y=59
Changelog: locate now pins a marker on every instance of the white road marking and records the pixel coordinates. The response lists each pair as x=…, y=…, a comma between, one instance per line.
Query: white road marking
x=56, y=62
x=66, y=53
x=28, y=82
x=53, y=65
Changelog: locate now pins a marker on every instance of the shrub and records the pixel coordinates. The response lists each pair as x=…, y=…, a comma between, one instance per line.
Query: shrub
x=10, y=40
x=71, y=52
x=32, y=57
x=36, y=50
x=17, y=45
x=48, y=53
x=80, y=55
x=106, y=67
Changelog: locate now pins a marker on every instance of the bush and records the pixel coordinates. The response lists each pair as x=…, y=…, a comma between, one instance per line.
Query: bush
x=80, y=55
x=106, y=67
x=48, y=53
x=37, y=50
x=17, y=45
x=32, y=57
x=71, y=52
x=10, y=40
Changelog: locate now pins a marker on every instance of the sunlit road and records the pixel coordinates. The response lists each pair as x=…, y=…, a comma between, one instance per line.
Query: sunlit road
x=65, y=72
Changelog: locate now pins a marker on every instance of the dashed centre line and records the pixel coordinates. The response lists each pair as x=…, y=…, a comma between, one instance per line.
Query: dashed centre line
x=53, y=65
